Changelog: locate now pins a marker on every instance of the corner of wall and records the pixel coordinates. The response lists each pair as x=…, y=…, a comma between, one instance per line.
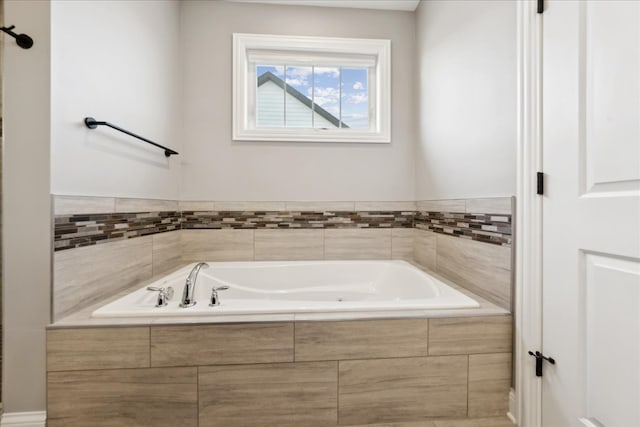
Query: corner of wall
x=26, y=207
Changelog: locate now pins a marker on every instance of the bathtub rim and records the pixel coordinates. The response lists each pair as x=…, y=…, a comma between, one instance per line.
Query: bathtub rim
x=83, y=318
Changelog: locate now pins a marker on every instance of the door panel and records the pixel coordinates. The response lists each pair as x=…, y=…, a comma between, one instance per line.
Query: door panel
x=611, y=340
x=591, y=213
x=610, y=63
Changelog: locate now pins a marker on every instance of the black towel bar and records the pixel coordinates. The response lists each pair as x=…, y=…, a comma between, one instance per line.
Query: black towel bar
x=23, y=40
x=93, y=123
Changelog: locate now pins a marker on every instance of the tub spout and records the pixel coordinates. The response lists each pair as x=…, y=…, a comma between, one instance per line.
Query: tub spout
x=188, y=294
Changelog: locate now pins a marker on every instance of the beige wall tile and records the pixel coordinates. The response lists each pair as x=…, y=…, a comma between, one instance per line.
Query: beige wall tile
x=406, y=233
x=67, y=205
x=469, y=335
x=476, y=422
x=385, y=206
x=495, y=205
x=357, y=244
x=166, y=251
x=489, y=384
x=286, y=244
x=424, y=248
x=220, y=319
x=482, y=268
x=402, y=243
x=221, y=344
x=86, y=275
x=166, y=397
x=145, y=205
x=216, y=245
x=400, y=424
x=320, y=206
x=193, y=205
x=97, y=348
x=458, y=205
x=383, y=390
x=364, y=339
x=283, y=395
x=249, y=206
x=358, y=315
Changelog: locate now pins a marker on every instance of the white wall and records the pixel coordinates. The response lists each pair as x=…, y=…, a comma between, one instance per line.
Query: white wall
x=467, y=99
x=115, y=61
x=217, y=168
x=26, y=206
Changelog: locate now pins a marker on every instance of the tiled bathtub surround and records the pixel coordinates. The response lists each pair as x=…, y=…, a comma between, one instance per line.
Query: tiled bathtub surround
x=72, y=205
x=103, y=219
x=73, y=231
x=346, y=373
x=86, y=275
x=85, y=229
x=486, y=228
x=85, y=221
x=455, y=244
x=486, y=220
x=239, y=231
x=296, y=219
x=293, y=244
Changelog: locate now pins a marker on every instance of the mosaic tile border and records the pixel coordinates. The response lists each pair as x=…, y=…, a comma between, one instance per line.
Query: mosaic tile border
x=77, y=230
x=488, y=228
x=74, y=231
x=296, y=219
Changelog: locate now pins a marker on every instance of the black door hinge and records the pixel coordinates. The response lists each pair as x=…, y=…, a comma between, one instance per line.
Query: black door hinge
x=540, y=6
x=540, y=183
x=539, y=359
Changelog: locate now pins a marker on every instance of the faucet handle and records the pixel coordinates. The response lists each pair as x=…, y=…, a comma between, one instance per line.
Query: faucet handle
x=215, y=300
x=167, y=291
x=164, y=295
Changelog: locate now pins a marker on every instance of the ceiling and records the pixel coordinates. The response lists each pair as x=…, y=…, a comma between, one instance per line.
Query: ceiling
x=406, y=5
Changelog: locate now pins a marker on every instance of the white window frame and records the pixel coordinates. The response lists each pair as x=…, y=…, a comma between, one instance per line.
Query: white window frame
x=374, y=54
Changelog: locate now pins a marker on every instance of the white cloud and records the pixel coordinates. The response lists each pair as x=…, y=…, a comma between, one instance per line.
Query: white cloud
x=296, y=82
x=298, y=76
x=332, y=71
x=326, y=96
x=327, y=91
x=358, y=85
x=301, y=76
x=357, y=98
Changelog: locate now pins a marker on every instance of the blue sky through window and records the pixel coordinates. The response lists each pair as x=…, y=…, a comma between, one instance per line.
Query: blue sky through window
x=323, y=87
x=355, y=97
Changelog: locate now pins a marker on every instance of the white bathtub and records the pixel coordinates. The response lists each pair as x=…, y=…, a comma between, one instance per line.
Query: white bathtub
x=295, y=287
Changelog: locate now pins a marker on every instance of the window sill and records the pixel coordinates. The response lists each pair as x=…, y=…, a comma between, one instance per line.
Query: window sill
x=311, y=135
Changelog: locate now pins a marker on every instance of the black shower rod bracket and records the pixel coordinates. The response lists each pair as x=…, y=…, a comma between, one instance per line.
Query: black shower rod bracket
x=92, y=123
x=23, y=40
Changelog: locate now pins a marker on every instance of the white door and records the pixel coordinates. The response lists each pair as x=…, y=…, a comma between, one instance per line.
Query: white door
x=591, y=213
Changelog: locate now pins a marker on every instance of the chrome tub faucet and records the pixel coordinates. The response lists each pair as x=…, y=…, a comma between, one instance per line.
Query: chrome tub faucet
x=188, y=294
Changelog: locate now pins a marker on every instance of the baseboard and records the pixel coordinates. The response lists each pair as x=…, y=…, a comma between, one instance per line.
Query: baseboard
x=24, y=419
x=513, y=412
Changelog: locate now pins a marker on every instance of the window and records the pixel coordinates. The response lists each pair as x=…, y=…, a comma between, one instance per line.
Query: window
x=311, y=89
